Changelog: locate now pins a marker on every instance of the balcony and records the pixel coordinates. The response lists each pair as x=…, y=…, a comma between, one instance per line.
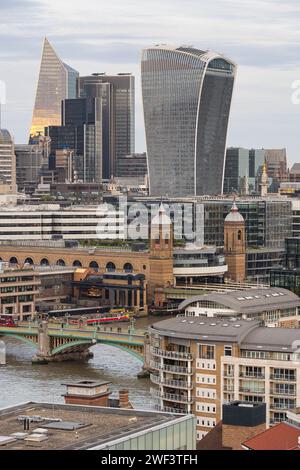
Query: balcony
x=291, y=393
x=169, y=409
x=179, y=356
x=251, y=391
x=283, y=406
x=283, y=378
x=256, y=376
x=171, y=383
x=171, y=396
x=228, y=388
x=174, y=369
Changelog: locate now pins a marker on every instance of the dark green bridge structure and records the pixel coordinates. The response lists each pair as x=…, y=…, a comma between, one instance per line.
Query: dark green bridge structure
x=55, y=343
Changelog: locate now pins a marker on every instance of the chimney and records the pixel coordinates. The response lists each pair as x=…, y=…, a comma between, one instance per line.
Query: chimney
x=124, y=399
x=87, y=392
x=241, y=421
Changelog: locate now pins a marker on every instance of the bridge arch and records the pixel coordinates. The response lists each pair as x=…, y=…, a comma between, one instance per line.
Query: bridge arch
x=21, y=338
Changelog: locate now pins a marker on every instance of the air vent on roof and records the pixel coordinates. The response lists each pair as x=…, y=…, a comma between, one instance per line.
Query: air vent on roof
x=237, y=326
x=213, y=324
x=257, y=296
x=202, y=323
x=183, y=321
x=191, y=322
x=241, y=298
x=225, y=324
x=259, y=347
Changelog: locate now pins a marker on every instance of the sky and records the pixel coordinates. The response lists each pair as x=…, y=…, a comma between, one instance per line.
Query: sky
x=261, y=36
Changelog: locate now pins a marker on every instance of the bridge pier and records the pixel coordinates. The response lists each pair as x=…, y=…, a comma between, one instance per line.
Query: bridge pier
x=47, y=354
x=145, y=371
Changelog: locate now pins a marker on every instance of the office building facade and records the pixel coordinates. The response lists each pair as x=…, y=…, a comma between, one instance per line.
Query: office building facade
x=57, y=81
x=116, y=93
x=186, y=97
x=7, y=161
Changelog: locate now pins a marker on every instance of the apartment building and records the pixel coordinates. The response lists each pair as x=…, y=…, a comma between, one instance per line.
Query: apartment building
x=18, y=291
x=200, y=363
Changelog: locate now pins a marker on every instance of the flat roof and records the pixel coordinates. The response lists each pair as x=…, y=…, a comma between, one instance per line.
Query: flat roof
x=249, y=334
x=249, y=301
x=205, y=328
x=81, y=427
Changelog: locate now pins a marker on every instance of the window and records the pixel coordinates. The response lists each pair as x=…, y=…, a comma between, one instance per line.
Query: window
x=227, y=350
x=206, y=351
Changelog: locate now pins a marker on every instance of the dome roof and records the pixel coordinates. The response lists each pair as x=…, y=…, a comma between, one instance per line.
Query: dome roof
x=234, y=215
x=5, y=137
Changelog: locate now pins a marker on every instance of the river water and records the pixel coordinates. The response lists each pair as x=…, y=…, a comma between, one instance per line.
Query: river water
x=21, y=381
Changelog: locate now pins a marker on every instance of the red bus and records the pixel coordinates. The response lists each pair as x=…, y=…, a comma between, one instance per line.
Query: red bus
x=7, y=320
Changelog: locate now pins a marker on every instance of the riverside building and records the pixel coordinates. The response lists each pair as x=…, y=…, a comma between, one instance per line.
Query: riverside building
x=198, y=364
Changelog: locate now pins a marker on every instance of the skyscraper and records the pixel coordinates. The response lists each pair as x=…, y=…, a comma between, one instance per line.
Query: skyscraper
x=186, y=97
x=57, y=81
x=117, y=93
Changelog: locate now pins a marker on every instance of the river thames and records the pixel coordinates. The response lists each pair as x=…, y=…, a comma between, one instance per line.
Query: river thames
x=21, y=381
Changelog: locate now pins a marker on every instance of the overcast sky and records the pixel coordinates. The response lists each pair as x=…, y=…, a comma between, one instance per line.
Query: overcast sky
x=261, y=36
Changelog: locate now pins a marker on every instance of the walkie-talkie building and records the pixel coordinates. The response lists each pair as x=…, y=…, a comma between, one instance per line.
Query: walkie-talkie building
x=186, y=97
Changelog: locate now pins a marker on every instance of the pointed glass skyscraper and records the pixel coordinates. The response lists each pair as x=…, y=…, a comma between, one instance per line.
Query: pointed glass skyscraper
x=57, y=81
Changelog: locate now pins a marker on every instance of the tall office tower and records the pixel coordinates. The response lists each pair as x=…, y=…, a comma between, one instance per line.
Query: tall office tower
x=186, y=96
x=7, y=162
x=117, y=93
x=276, y=162
x=242, y=164
x=80, y=133
x=57, y=81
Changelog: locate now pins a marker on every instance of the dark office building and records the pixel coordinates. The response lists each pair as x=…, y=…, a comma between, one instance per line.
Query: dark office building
x=132, y=166
x=81, y=132
x=117, y=96
x=289, y=275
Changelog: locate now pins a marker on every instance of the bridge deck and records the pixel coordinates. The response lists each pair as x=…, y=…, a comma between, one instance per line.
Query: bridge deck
x=136, y=338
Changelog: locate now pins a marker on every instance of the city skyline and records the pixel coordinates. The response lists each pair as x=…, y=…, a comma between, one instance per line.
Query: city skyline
x=262, y=111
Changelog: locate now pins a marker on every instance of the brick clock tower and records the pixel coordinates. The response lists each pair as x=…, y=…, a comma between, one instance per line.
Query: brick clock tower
x=161, y=254
x=235, y=245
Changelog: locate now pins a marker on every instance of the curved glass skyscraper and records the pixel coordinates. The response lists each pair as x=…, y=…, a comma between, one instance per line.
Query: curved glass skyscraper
x=186, y=97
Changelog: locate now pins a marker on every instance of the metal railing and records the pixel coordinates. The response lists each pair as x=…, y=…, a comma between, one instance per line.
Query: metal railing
x=171, y=354
x=173, y=369
x=171, y=383
x=285, y=378
x=171, y=396
x=251, y=376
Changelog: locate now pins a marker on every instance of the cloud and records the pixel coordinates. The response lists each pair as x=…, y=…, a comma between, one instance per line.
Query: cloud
x=262, y=36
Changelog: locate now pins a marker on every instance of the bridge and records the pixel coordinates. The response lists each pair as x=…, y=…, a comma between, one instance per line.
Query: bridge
x=65, y=342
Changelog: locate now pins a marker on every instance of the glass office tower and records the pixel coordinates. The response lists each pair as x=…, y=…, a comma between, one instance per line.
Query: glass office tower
x=186, y=97
x=117, y=93
x=57, y=81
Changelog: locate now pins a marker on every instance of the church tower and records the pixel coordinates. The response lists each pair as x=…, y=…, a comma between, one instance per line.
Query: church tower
x=264, y=182
x=235, y=245
x=161, y=253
